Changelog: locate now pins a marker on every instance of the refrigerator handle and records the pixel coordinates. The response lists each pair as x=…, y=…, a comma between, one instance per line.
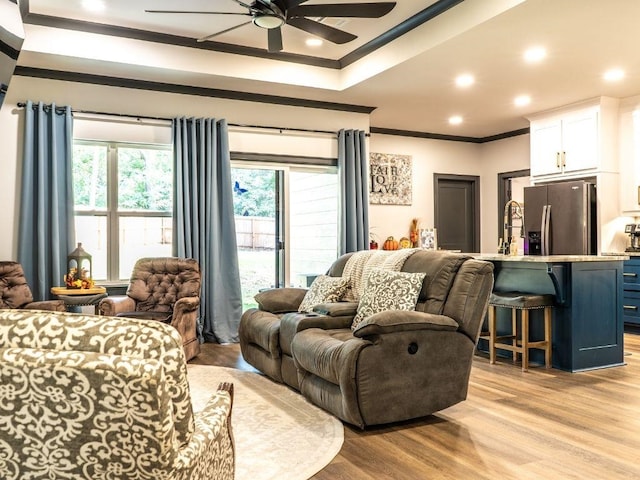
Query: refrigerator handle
x=546, y=220
x=543, y=245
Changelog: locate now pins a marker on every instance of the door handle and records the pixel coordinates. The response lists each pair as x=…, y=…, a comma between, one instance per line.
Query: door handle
x=564, y=159
x=558, y=163
x=630, y=307
x=634, y=275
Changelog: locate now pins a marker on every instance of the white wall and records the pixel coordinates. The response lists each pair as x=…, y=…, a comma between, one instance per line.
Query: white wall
x=156, y=104
x=428, y=157
x=507, y=155
x=460, y=158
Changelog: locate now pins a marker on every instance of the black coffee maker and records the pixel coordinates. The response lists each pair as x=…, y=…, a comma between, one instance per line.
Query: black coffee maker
x=633, y=230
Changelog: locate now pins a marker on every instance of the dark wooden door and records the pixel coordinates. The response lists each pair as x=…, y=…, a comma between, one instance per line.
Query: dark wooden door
x=457, y=218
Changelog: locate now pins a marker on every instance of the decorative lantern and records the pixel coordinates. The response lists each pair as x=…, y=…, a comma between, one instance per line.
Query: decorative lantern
x=78, y=269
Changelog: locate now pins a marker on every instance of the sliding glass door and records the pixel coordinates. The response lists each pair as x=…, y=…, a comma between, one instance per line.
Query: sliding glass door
x=286, y=225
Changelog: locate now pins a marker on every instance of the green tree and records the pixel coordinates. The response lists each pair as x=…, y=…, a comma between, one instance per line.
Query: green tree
x=254, y=192
x=90, y=177
x=144, y=179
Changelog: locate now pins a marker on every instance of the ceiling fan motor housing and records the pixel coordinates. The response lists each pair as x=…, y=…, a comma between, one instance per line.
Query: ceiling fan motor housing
x=269, y=16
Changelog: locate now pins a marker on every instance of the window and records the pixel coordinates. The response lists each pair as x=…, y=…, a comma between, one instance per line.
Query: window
x=123, y=195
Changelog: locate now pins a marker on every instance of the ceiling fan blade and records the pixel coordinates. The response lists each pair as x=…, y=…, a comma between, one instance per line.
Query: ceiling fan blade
x=209, y=37
x=359, y=10
x=291, y=3
x=321, y=30
x=198, y=12
x=243, y=4
x=274, y=40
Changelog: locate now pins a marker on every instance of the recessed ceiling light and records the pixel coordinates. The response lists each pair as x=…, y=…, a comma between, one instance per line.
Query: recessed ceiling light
x=93, y=5
x=313, y=42
x=522, y=100
x=455, y=120
x=465, y=80
x=614, y=75
x=535, y=54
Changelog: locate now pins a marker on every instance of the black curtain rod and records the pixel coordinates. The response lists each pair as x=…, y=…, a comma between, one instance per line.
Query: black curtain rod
x=146, y=117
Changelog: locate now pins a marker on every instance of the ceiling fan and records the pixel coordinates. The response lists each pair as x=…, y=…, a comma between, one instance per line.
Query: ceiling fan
x=273, y=14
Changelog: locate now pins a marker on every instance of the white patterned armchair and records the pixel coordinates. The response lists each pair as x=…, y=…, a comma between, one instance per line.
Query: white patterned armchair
x=88, y=397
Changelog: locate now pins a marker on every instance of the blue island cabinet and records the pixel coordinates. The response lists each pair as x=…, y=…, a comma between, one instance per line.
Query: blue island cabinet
x=631, y=303
x=588, y=325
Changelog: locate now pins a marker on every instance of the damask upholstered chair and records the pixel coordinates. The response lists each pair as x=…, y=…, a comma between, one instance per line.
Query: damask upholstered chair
x=166, y=289
x=15, y=292
x=94, y=397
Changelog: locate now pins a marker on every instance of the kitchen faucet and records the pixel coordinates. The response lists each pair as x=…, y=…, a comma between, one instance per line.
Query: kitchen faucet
x=507, y=235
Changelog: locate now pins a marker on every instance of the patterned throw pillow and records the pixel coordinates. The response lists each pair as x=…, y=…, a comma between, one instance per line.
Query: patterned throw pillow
x=388, y=290
x=324, y=289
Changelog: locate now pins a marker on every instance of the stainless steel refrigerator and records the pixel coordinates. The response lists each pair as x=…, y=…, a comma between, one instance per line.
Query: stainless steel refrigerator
x=560, y=219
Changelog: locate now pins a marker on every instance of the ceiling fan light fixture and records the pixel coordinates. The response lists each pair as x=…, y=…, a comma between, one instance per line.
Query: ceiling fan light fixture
x=268, y=21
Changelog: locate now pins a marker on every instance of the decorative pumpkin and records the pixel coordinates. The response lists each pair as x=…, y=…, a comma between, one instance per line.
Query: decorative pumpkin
x=390, y=244
x=405, y=243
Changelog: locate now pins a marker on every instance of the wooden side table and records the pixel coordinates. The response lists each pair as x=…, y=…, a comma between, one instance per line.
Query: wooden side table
x=79, y=297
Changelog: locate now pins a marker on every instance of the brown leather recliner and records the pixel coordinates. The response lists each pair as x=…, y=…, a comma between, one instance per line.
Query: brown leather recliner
x=394, y=365
x=166, y=289
x=15, y=292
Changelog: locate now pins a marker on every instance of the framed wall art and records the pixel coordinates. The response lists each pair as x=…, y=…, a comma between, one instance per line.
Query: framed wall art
x=390, y=179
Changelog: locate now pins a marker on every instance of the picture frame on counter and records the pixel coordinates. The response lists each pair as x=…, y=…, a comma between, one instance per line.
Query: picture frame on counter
x=428, y=238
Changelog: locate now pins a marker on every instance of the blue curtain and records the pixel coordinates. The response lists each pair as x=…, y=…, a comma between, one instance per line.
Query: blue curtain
x=46, y=230
x=354, y=193
x=204, y=225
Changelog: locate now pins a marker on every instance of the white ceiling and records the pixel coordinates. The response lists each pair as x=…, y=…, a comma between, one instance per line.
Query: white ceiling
x=410, y=81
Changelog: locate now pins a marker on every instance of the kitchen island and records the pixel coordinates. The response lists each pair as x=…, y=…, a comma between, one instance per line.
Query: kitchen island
x=588, y=323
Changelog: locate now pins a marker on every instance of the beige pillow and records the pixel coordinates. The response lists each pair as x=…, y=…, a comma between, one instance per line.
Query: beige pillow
x=324, y=289
x=388, y=290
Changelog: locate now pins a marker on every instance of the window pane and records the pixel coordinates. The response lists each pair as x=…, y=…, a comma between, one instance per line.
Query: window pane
x=90, y=177
x=91, y=231
x=145, y=179
x=143, y=237
x=314, y=224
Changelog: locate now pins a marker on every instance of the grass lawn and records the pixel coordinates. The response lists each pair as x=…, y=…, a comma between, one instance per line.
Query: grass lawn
x=257, y=271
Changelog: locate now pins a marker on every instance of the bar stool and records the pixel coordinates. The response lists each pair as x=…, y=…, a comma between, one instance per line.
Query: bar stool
x=512, y=342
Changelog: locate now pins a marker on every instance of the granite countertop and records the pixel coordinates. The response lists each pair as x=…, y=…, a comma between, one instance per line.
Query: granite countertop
x=552, y=258
x=628, y=254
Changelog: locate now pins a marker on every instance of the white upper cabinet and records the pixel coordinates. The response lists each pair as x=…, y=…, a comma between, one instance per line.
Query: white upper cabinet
x=546, y=145
x=630, y=157
x=580, y=141
x=575, y=141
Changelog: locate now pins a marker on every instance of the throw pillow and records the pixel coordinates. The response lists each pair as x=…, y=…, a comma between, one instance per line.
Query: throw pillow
x=388, y=290
x=324, y=289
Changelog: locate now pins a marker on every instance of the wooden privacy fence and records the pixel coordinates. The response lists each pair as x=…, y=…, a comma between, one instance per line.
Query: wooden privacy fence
x=255, y=232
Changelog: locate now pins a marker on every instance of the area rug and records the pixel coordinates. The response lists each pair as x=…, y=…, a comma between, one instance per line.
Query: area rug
x=278, y=434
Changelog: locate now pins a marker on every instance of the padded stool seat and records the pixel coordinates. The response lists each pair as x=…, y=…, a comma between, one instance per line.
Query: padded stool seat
x=514, y=342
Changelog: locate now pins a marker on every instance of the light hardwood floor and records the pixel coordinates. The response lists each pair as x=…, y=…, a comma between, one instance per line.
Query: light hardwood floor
x=544, y=424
